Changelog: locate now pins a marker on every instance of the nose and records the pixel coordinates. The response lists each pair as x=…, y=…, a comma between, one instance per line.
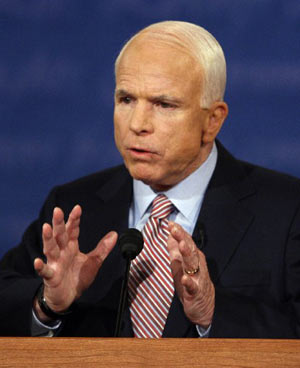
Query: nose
x=140, y=119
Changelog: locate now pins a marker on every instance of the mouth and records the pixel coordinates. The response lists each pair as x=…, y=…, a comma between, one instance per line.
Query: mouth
x=139, y=150
x=141, y=153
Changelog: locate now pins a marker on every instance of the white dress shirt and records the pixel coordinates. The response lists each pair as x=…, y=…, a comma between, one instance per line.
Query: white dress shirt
x=187, y=196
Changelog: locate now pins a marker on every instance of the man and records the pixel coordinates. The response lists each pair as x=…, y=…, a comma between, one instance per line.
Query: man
x=229, y=250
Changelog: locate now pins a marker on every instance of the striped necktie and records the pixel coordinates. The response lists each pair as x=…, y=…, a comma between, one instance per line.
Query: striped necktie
x=151, y=286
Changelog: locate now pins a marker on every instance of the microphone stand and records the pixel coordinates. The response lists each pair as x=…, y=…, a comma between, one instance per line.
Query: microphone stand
x=123, y=296
x=131, y=243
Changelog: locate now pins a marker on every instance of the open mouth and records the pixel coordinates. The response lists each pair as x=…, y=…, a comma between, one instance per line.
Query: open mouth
x=139, y=152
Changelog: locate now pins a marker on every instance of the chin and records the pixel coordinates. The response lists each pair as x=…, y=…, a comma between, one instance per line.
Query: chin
x=146, y=179
x=142, y=174
x=154, y=182
x=148, y=175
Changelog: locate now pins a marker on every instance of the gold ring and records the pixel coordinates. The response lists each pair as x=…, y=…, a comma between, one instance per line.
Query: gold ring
x=192, y=272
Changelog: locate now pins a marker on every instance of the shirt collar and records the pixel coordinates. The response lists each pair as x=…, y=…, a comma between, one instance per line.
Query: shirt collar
x=187, y=196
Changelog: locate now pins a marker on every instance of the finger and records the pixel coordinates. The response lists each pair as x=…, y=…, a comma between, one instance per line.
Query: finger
x=104, y=247
x=175, y=259
x=59, y=228
x=177, y=236
x=50, y=247
x=176, y=231
x=190, y=259
x=73, y=222
x=190, y=285
x=173, y=248
x=43, y=269
x=202, y=262
x=187, y=247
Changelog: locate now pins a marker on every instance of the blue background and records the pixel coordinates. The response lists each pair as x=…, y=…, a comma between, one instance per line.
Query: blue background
x=56, y=88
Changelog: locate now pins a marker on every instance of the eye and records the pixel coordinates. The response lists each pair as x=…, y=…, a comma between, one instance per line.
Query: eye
x=125, y=99
x=164, y=105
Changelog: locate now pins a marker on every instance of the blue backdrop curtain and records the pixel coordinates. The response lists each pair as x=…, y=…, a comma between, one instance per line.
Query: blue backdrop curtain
x=56, y=88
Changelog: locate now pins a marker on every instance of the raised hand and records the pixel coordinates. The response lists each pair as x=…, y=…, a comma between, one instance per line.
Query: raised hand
x=68, y=272
x=192, y=281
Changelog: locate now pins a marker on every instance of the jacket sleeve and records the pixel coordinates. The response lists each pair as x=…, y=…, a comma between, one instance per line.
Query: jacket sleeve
x=18, y=280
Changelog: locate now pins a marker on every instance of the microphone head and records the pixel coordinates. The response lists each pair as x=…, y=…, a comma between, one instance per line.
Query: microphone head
x=131, y=243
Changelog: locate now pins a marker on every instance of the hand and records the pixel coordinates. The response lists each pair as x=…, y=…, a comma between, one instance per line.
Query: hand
x=68, y=272
x=196, y=292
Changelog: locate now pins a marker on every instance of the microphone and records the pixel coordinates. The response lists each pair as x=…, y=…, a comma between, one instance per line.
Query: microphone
x=131, y=243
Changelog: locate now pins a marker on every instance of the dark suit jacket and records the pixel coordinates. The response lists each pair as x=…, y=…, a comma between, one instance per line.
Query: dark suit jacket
x=251, y=218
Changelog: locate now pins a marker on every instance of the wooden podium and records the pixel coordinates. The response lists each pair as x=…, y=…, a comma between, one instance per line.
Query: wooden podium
x=111, y=352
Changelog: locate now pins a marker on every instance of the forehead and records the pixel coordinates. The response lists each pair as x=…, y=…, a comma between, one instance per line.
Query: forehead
x=155, y=64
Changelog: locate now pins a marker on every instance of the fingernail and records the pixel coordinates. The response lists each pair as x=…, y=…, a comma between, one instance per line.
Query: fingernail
x=110, y=235
x=175, y=228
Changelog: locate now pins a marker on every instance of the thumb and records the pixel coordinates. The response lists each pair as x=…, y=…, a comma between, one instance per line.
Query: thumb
x=104, y=247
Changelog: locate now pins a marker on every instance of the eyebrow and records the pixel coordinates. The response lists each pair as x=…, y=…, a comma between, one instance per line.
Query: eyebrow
x=122, y=92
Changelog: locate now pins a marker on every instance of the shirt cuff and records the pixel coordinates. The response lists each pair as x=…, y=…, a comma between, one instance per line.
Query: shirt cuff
x=39, y=328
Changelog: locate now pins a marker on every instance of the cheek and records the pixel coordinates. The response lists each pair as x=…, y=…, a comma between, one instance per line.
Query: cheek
x=175, y=142
x=118, y=135
x=182, y=148
x=119, y=123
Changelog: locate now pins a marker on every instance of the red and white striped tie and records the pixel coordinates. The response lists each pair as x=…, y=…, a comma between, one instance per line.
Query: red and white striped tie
x=151, y=286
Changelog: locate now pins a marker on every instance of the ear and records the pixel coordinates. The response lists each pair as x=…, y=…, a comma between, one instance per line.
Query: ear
x=216, y=116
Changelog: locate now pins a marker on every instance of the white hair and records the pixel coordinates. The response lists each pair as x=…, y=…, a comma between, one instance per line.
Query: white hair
x=201, y=45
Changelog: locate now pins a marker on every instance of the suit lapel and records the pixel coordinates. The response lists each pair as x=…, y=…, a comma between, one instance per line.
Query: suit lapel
x=116, y=196
x=111, y=213
x=222, y=223
x=225, y=218
x=225, y=224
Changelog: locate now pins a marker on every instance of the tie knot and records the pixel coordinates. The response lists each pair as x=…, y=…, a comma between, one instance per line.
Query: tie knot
x=161, y=207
